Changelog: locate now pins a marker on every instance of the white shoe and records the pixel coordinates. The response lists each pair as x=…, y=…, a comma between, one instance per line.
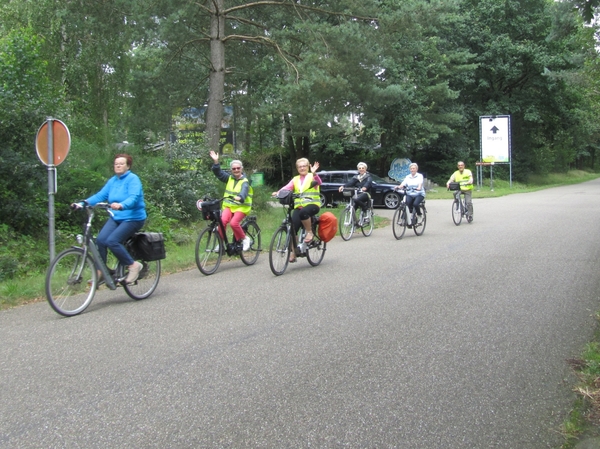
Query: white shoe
x=246, y=243
x=216, y=249
x=134, y=272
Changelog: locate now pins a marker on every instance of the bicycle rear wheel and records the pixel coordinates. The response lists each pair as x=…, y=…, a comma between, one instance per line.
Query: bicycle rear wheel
x=419, y=227
x=316, y=251
x=67, y=288
x=146, y=282
x=399, y=222
x=279, y=252
x=456, y=212
x=367, y=228
x=347, y=223
x=209, y=251
x=251, y=256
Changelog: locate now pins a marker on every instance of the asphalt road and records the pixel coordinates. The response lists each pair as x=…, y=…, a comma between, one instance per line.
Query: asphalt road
x=455, y=339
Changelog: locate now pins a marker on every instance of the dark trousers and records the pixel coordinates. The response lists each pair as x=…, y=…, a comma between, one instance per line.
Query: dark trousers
x=113, y=235
x=362, y=200
x=302, y=214
x=414, y=201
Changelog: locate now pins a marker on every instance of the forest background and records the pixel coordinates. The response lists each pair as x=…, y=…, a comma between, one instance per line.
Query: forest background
x=337, y=81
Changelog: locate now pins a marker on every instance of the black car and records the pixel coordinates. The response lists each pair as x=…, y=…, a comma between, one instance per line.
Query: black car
x=382, y=191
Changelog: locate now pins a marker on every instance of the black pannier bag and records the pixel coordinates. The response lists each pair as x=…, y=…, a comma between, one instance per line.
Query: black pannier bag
x=149, y=246
x=454, y=186
x=208, y=207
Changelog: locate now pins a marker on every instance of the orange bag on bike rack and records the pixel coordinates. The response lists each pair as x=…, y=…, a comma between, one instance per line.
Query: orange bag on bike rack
x=328, y=225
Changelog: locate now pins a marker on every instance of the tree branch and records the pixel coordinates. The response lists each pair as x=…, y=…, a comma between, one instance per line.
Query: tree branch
x=264, y=40
x=295, y=6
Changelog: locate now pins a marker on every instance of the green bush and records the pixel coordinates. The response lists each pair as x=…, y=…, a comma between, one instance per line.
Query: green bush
x=20, y=254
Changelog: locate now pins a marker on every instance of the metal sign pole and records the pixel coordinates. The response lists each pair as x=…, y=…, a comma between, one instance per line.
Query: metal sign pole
x=51, y=188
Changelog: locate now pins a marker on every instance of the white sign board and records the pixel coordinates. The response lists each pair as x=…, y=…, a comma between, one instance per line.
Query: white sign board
x=495, y=138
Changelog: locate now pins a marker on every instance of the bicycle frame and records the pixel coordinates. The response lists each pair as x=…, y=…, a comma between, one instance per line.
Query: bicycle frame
x=89, y=244
x=300, y=249
x=234, y=248
x=460, y=196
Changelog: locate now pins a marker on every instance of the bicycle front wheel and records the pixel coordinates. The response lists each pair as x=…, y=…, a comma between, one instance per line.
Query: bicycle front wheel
x=279, y=253
x=347, y=223
x=419, y=227
x=399, y=223
x=367, y=228
x=71, y=282
x=456, y=212
x=316, y=252
x=251, y=256
x=209, y=251
x=146, y=282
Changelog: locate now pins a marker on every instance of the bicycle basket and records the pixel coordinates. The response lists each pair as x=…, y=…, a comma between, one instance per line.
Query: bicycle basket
x=208, y=207
x=454, y=186
x=285, y=197
x=348, y=192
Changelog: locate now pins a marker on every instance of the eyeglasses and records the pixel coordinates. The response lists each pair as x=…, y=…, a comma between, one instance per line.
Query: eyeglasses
x=302, y=166
x=236, y=168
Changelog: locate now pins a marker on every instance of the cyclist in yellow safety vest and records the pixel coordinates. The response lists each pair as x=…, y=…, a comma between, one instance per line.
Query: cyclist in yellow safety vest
x=307, y=185
x=465, y=178
x=237, y=200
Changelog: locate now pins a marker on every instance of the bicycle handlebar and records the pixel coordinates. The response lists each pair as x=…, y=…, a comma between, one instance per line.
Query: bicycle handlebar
x=84, y=205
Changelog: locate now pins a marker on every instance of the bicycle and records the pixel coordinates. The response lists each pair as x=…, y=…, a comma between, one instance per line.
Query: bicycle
x=348, y=221
x=400, y=223
x=281, y=243
x=72, y=278
x=459, y=205
x=210, y=246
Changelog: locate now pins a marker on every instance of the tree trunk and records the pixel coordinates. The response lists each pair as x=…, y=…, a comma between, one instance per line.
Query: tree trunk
x=216, y=86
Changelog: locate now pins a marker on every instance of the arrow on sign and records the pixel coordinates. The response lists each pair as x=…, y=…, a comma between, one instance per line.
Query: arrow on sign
x=495, y=129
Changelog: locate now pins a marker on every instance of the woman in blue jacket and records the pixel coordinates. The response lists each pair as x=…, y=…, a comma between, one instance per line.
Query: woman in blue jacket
x=126, y=198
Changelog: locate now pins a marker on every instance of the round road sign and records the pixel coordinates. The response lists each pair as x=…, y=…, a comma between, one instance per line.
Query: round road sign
x=61, y=142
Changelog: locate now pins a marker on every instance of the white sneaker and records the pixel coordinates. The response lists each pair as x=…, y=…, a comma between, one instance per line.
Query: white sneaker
x=217, y=248
x=134, y=273
x=246, y=243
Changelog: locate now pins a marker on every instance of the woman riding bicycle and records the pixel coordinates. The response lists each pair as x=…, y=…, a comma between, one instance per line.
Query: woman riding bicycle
x=465, y=178
x=237, y=200
x=307, y=185
x=363, y=182
x=126, y=197
x=415, y=193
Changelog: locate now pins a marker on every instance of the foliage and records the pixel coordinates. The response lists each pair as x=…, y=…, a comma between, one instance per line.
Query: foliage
x=19, y=254
x=173, y=185
x=27, y=97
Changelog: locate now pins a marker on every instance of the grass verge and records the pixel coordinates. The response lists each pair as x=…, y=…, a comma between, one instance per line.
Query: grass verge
x=584, y=417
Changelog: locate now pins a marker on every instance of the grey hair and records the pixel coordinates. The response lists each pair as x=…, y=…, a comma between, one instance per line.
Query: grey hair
x=415, y=164
x=236, y=161
x=362, y=164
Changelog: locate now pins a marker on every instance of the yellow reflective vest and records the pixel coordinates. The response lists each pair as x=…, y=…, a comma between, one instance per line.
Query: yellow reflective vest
x=233, y=188
x=463, y=178
x=310, y=195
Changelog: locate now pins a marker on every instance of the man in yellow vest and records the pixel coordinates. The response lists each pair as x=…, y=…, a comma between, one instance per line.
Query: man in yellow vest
x=465, y=178
x=237, y=200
